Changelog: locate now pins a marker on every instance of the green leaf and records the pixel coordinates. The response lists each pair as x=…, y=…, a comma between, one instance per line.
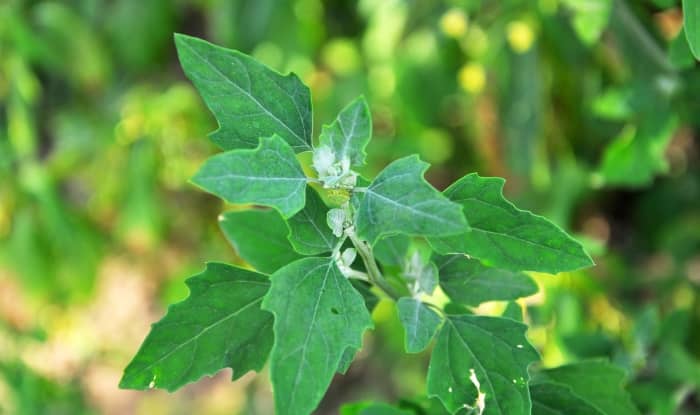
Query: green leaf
x=639, y=153
x=248, y=99
x=371, y=301
x=513, y=311
x=349, y=134
x=487, y=355
x=420, y=323
x=268, y=175
x=219, y=325
x=506, y=237
x=399, y=200
x=310, y=235
x=392, y=250
x=590, y=17
x=467, y=281
x=556, y=399
x=370, y=408
x=259, y=237
x=691, y=25
x=614, y=104
x=346, y=360
x=365, y=289
x=318, y=315
x=679, y=52
x=598, y=383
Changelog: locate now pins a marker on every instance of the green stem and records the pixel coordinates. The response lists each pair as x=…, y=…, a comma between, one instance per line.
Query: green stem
x=373, y=272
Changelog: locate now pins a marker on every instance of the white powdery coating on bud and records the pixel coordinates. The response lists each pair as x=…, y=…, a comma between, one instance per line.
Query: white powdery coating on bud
x=336, y=221
x=348, y=256
x=333, y=173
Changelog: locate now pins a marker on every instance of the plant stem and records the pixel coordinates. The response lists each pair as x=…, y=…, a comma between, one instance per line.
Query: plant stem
x=373, y=272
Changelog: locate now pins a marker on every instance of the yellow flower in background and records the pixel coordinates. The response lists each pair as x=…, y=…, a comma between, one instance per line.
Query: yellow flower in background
x=341, y=56
x=472, y=77
x=454, y=23
x=520, y=36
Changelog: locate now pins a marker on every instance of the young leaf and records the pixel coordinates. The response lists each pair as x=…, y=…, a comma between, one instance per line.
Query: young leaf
x=420, y=323
x=310, y=235
x=590, y=17
x=505, y=236
x=318, y=315
x=550, y=398
x=598, y=383
x=467, y=281
x=219, y=325
x=399, y=200
x=638, y=154
x=268, y=175
x=248, y=99
x=691, y=25
x=259, y=237
x=349, y=134
x=481, y=362
x=392, y=250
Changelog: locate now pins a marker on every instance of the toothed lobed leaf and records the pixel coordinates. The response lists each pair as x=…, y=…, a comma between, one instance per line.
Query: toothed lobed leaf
x=318, y=316
x=399, y=200
x=598, y=383
x=248, y=99
x=420, y=323
x=550, y=398
x=219, y=325
x=392, y=250
x=497, y=352
x=259, y=237
x=506, y=237
x=309, y=233
x=469, y=282
x=268, y=175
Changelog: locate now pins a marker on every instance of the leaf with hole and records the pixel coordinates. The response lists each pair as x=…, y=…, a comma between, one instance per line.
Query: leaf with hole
x=482, y=361
x=219, y=325
x=318, y=315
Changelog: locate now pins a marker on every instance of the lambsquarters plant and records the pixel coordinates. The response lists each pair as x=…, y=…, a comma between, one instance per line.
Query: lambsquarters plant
x=325, y=245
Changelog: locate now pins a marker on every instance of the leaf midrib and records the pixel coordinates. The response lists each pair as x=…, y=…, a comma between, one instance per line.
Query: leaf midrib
x=198, y=335
x=246, y=93
x=311, y=326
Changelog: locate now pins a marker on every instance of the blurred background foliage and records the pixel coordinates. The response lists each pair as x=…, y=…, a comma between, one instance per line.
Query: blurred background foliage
x=588, y=107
